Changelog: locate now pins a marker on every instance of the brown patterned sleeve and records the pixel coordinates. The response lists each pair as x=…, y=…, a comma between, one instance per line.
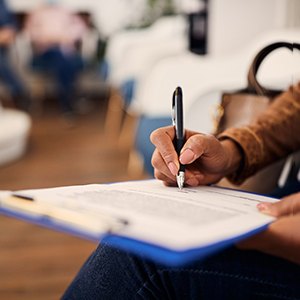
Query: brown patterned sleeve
x=274, y=135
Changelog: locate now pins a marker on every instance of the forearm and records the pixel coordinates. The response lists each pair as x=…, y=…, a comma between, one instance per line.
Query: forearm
x=281, y=239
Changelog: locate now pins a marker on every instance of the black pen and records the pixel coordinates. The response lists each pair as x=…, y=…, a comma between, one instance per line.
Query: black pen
x=177, y=119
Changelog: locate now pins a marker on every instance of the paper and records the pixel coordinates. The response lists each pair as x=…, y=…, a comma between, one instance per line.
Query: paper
x=165, y=216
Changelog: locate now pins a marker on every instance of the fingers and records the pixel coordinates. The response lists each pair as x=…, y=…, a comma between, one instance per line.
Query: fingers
x=193, y=177
x=197, y=145
x=166, y=163
x=161, y=170
x=287, y=206
x=165, y=155
x=194, y=147
x=165, y=179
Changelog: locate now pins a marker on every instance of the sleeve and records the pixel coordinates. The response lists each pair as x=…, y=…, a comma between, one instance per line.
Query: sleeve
x=6, y=17
x=274, y=135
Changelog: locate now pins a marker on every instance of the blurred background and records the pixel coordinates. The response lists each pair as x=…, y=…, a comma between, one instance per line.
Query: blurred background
x=84, y=82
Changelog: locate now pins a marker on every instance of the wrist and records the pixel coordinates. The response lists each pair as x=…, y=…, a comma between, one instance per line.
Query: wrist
x=234, y=156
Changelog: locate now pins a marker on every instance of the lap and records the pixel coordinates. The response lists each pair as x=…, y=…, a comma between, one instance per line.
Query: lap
x=232, y=274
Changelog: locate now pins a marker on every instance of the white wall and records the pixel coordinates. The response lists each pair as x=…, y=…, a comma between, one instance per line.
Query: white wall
x=293, y=16
x=109, y=15
x=233, y=23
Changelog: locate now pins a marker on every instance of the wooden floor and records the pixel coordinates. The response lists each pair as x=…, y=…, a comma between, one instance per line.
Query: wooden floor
x=37, y=263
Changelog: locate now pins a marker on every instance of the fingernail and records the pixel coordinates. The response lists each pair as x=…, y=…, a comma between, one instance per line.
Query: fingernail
x=173, y=168
x=187, y=156
x=192, y=182
x=264, y=207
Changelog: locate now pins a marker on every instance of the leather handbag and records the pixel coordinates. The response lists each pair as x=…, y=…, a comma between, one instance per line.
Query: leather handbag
x=243, y=107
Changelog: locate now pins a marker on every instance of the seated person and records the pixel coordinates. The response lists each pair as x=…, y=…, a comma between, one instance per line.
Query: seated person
x=7, y=74
x=266, y=266
x=54, y=32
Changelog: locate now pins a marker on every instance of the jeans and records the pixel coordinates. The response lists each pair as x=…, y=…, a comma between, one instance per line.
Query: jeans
x=13, y=82
x=64, y=68
x=231, y=274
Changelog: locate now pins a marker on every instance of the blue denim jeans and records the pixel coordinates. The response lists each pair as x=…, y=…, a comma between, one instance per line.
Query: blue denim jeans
x=64, y=68
x=232, y=274
x=9, y=77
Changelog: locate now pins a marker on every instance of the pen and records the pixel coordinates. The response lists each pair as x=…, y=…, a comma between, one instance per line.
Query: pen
x=177, y=120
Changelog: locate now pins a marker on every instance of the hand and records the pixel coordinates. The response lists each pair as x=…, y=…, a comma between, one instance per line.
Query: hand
x=7, y=35
x=207, y=160
x=282, y=238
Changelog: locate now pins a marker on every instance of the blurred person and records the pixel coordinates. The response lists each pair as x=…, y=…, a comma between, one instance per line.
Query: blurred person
x=54, y=32
x=7, y=75
x=92, y=45
x=265, y=266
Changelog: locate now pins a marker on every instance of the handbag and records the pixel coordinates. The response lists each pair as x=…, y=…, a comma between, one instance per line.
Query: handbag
x=244, y=106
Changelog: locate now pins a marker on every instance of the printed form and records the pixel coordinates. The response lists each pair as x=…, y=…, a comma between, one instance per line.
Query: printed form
x=165, y=216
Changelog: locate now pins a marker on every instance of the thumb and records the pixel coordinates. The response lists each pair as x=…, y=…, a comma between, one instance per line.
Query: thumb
x=195, y=146
x=287, y=206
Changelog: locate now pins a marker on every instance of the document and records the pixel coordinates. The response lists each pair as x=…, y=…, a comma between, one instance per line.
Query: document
x=145, y=212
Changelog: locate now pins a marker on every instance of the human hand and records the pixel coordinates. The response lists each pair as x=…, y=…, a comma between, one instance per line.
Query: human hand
x=288, y=206
x=207, y=160
x=282, y=238
x=7, y=35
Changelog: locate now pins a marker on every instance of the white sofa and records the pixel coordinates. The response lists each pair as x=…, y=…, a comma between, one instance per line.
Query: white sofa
x=130, y=53
x=14, y=130
x=200, y=75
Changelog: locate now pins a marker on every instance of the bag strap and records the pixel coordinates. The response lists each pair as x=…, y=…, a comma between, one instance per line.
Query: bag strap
x=253, y=85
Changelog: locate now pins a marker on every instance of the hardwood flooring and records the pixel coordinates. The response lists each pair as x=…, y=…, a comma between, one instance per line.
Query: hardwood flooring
x=37, y=263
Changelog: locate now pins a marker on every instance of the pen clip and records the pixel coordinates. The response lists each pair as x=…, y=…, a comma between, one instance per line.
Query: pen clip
x=177, y=113
x=173, y=110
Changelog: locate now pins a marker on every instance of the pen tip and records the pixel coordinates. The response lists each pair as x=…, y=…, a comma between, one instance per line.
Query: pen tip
x=180, y=180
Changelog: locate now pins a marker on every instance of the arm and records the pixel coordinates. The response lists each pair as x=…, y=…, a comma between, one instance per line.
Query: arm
x=238, y=154
x=7, y=35
x=7, y=25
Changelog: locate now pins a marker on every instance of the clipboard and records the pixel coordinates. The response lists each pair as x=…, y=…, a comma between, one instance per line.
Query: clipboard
x=116, y=231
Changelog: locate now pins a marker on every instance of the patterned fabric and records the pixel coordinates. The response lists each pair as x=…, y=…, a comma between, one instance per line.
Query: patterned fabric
x=275, y=134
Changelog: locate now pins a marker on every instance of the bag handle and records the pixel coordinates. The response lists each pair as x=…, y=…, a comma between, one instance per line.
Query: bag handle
x=253, y=85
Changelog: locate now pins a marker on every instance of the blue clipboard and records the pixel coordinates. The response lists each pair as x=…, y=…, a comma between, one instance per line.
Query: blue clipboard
x=157, y=253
